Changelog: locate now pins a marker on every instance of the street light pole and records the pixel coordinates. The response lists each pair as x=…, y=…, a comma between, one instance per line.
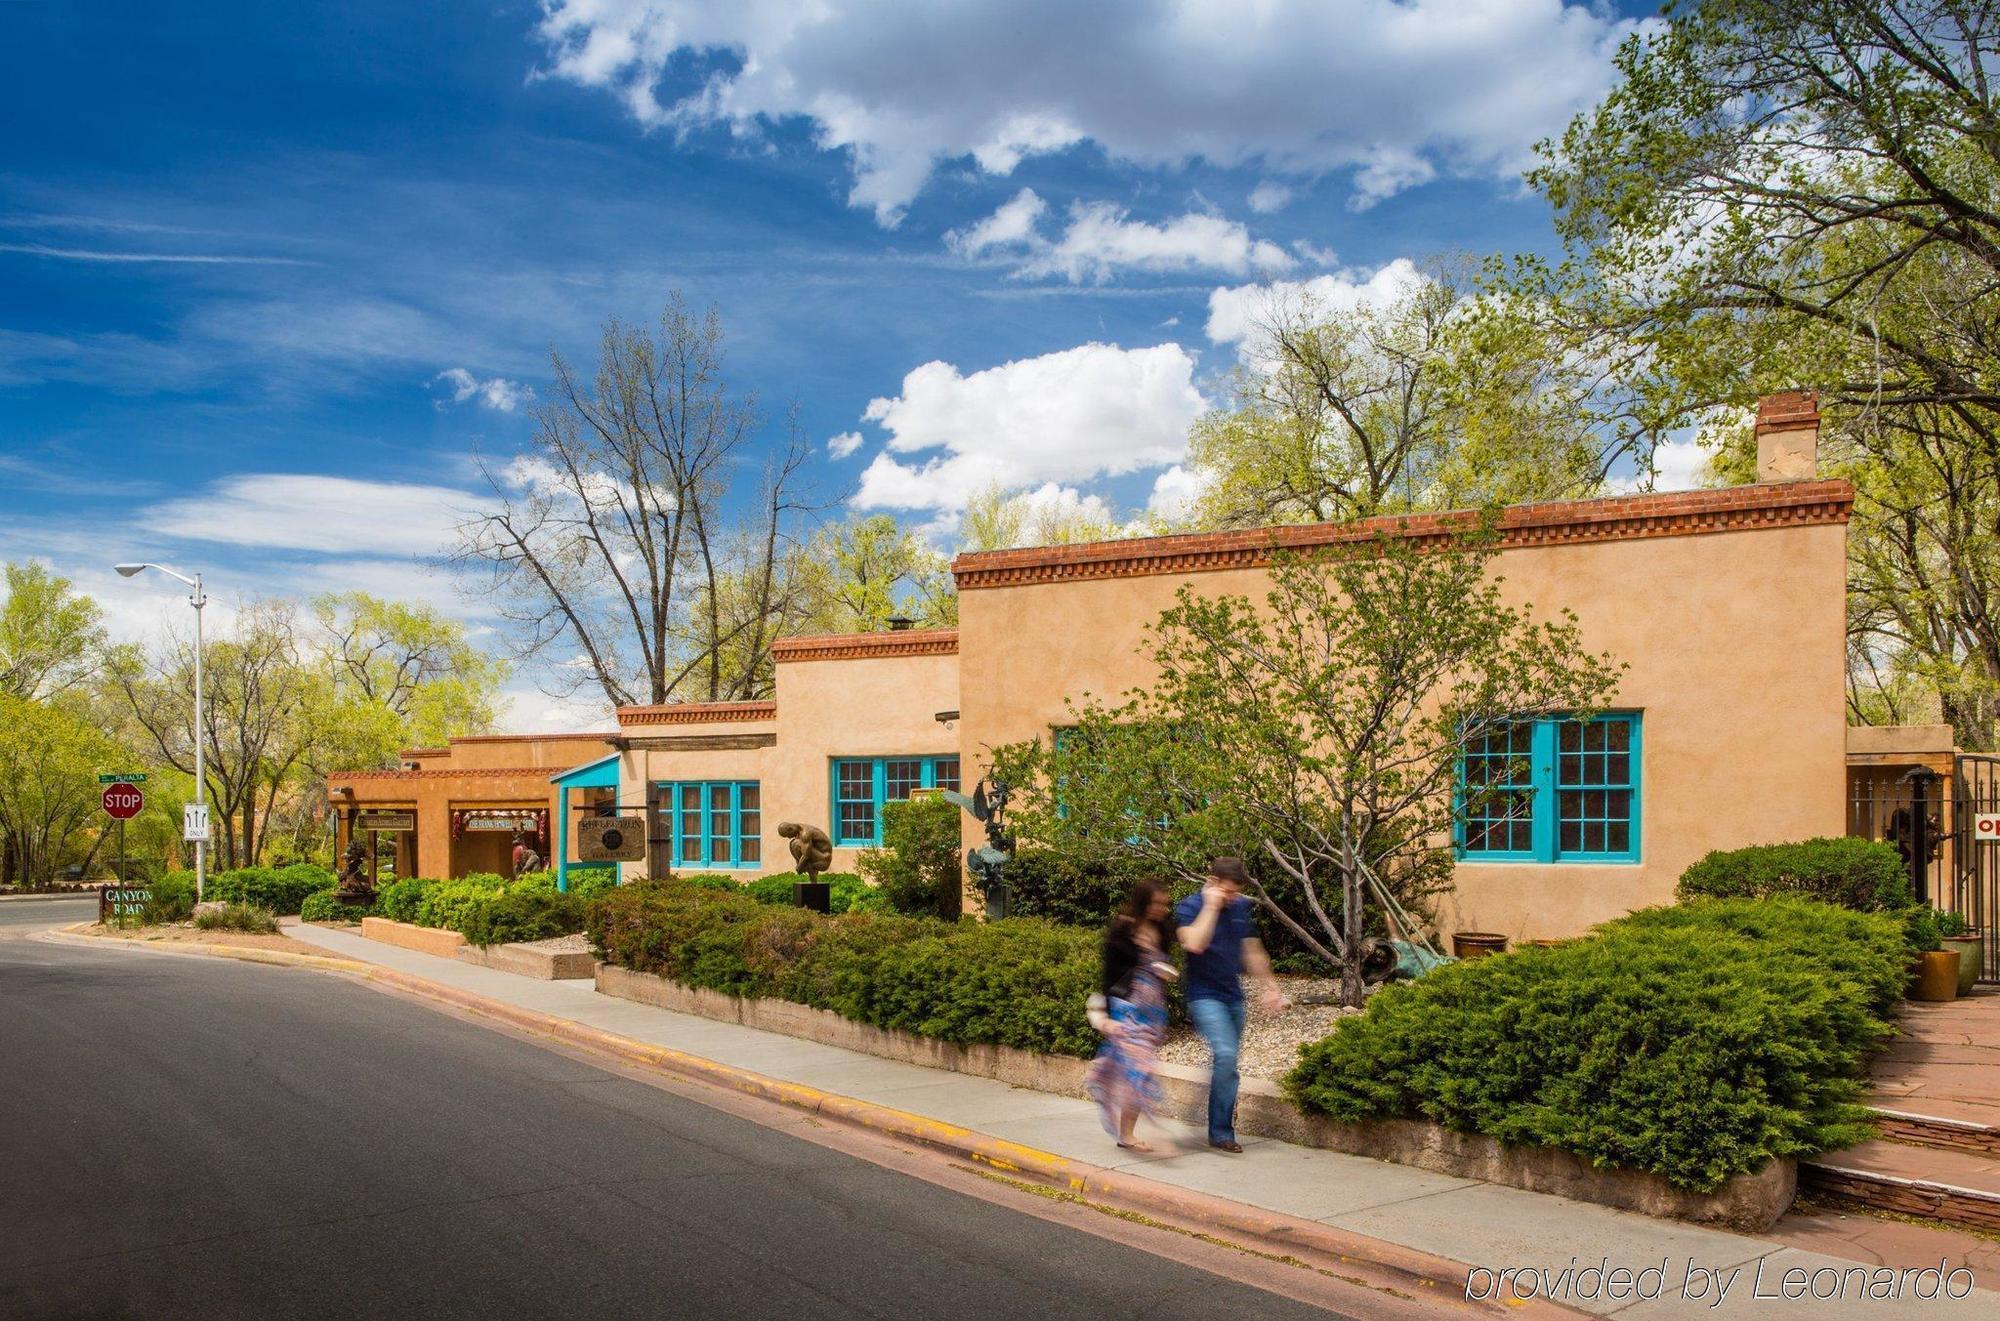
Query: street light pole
x=199, y=600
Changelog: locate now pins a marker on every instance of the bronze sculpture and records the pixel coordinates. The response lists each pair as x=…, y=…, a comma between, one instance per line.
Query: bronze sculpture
x=812, y=851
x=355, y=888
x=988, y=863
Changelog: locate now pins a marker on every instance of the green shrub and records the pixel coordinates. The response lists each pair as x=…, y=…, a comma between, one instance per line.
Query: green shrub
x=529, y=913
x=593, y=881
x=1861, y=874
x=446, y=903
x=848, y=892
x=322, y=906
x=917, y=866
x=1018, y=983
x=712, y=880
x=280, y=889
x=239, y=917
x=1694, y=1042
x=1052, y=884
x=1952, y=924
x=172, y=898
x=399, y=901
x=1924, y=930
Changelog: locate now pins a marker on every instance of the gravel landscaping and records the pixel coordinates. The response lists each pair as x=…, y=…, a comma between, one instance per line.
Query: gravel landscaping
x=1270, y=1043
x=571, y=944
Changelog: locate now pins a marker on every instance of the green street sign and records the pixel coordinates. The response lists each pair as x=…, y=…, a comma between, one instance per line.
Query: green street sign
x=121, y=779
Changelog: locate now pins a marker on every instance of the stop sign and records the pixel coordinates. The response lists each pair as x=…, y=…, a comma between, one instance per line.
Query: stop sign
x=122, y=801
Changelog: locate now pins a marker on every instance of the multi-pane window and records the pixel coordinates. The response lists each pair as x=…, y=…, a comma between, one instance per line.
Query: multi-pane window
x=716, y=823
x=1556, y=790
x=861, y=785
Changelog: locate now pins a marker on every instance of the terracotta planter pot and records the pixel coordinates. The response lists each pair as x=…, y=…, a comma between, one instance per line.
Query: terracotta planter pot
x=1477, y=944
x=1971, y=957
x=1937, y=975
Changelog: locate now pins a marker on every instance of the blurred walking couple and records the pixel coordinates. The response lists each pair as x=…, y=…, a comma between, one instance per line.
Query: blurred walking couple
x=1216, y=930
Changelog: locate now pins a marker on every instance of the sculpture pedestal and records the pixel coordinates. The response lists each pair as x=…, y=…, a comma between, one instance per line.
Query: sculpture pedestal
x=815, y=895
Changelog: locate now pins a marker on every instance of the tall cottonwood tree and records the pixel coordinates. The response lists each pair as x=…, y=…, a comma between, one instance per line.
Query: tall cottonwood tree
x=642, y=540
x=1428, y=399
x=1788, y=192
x=51, y=638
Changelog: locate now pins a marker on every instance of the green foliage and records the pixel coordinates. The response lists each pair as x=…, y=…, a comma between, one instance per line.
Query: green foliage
x=400, y=901
x=239, y=917
x=49, y=759
x=593, y=881
x=1952, y=924
x=1861, y=874
x=280, y=889
x=917, y=867
x=1061, y=887
x=521, y=913
x=322, y=906
x=447, y=903
x=1694, y=1042
x=712, y=880
x=1018, y=983
x=848, y=892
x=1925, y=932
x=858, y=574
x=172, y=898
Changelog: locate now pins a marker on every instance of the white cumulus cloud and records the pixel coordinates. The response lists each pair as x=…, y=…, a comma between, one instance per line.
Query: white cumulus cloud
x=1092, y=411
x=495, y=392
x=1233, y=313
x=1176, y=492
x=1270, y=196
x=1101, y=239
x=1395, y=90
x=844, y=444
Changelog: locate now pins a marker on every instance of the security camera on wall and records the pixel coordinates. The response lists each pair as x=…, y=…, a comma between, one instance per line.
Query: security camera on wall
x=611, y=839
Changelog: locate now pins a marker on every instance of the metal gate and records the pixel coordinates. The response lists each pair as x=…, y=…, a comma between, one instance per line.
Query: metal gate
x=1975, y=866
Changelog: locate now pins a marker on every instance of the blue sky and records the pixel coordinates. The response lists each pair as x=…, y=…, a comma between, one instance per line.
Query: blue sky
x=271, y=276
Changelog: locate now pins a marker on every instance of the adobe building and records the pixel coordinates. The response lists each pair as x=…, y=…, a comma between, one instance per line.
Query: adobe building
x=1728, y=728
x=456, y=810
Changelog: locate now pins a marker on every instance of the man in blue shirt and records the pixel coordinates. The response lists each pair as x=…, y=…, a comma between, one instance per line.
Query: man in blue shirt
x=1216, y=929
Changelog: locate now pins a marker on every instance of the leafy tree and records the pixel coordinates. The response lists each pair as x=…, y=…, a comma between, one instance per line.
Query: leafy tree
x=1430, y=400
x=858, y=574
x=1786, y=192
x=49, y=763
x=1320, y=728
x=997, y=518
x=619, y=539
x=917, y=865
x=51, y=638
x=410, y=660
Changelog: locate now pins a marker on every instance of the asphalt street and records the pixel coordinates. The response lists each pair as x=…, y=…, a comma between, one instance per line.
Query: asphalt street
x=196, y=1137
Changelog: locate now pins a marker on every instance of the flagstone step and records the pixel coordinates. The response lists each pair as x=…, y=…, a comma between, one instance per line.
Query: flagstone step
x=1955, y=1186
x=1946, y=1133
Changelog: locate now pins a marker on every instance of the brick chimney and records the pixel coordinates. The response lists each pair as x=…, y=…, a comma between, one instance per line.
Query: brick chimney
x=1788, y=436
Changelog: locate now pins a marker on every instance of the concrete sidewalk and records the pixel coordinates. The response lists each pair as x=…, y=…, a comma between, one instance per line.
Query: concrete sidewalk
x=1483, y=1225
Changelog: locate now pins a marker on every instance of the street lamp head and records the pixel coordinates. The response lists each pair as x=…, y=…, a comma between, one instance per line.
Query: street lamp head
x=127, y=570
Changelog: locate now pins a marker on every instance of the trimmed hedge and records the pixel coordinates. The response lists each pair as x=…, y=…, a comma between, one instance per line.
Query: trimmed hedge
x=1063, y=888
x=400, y=901
x=322, y=906
x=1862, y=874
x=445, y=903
x=848, y=892
x=529, y=913
x=1694, y=1042
x=280, y=889
x=1019, y=983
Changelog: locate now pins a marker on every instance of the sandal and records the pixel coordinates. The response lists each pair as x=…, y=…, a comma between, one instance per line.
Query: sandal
x=1143, y=1148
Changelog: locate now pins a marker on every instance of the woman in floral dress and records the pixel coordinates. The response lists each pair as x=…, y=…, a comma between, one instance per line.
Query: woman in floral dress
x=1130, y=1011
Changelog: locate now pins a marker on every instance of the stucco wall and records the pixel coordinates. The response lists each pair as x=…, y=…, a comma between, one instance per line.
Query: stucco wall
x=870, y=707
x=1735, y=641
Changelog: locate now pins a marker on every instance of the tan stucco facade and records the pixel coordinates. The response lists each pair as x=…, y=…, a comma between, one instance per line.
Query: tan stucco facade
x=869, y=695
x=1728, y=608
x=478, y=780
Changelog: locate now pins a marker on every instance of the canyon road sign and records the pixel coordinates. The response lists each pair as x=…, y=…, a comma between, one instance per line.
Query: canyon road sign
x=122, y=802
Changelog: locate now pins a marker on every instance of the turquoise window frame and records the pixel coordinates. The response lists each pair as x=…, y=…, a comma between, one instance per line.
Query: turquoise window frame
x=677, y=835
x=878, y=792
x=1546, y=786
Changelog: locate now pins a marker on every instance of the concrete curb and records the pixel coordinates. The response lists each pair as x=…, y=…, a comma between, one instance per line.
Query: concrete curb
x=1316, y=1245
x=1308, y=1242
x=72, y=935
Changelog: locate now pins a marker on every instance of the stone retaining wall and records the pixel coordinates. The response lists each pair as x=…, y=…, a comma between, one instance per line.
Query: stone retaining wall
x=405, y=935
x=1747, y=1202
x=527, y=961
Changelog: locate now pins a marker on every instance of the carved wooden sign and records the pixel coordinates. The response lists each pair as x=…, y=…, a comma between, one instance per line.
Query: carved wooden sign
x=611, y=839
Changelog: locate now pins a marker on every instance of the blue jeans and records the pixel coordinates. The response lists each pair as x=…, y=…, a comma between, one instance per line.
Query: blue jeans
x=1220, y=1023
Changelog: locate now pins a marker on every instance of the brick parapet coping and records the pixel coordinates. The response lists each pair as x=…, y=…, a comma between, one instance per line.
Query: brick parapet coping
x=444, y=773
x=867, y=646
x=696, y=713
x=1557, y=523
